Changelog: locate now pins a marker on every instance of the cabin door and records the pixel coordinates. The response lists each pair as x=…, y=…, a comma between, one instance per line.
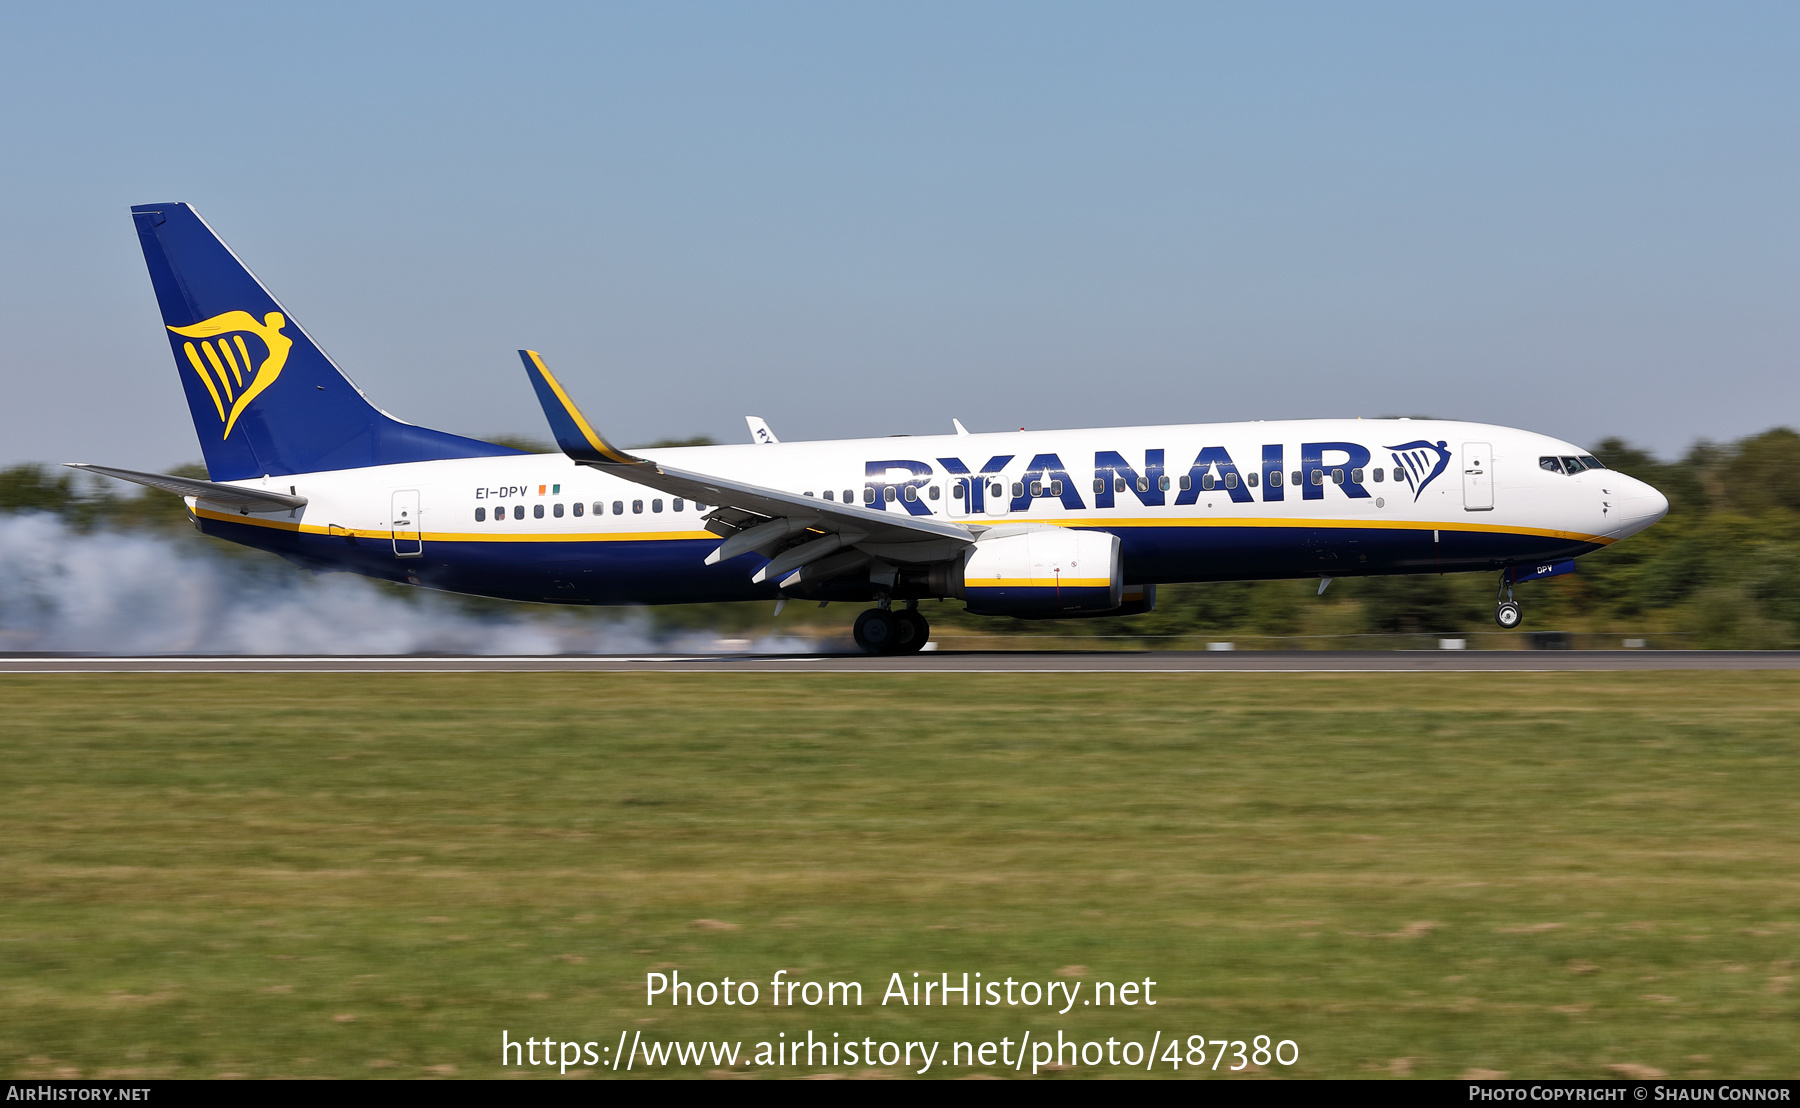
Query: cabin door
x=1478, y=477
x=405, y=524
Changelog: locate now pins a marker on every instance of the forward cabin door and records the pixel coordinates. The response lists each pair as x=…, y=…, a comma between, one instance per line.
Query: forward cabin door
x=407, y=543
x=1478, y=477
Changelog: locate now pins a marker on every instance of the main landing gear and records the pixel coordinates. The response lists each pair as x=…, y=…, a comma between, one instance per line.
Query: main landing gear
x=1506, y=609
x=885, y=631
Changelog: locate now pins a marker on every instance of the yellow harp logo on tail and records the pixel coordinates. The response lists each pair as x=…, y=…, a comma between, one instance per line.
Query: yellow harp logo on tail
x=227, y=364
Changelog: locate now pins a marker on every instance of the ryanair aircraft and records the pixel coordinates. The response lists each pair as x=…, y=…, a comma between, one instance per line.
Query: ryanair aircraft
x=1032, y=524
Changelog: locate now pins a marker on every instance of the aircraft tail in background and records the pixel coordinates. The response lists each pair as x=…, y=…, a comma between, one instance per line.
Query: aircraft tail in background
x=264, y=398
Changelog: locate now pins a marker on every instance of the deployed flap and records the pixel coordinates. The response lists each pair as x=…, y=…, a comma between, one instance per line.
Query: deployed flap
x=581, y=442
x=759, y=430
x=232, y=496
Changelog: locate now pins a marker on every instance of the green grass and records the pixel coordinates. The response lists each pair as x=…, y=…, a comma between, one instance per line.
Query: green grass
x=369, y=875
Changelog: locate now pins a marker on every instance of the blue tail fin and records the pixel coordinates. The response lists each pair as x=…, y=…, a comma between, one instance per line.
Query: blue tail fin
x=264, y=398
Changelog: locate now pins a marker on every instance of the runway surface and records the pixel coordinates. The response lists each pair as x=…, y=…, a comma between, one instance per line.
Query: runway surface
x=1305, y=661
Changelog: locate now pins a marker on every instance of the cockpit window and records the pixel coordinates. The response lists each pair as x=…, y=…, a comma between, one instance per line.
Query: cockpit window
x=1573, y=465
x=1591, y=462
x=1550, y=464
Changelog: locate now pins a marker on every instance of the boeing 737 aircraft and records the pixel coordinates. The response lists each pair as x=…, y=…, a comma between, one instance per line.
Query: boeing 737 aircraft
x=1031, y=524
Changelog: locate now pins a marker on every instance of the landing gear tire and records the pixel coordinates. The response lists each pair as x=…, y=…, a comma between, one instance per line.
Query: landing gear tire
x=1508, y=615
x=912, y=631
x=876, y=631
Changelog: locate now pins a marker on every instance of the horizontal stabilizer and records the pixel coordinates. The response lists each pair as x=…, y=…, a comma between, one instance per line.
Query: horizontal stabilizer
x=232, y=496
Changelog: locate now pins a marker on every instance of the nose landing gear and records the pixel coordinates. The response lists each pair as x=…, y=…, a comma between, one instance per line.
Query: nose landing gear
x=883, y=631
x=1506, y=609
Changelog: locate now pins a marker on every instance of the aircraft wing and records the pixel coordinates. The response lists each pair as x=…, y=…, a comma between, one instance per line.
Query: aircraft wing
x=804, y=538
x=232, y=496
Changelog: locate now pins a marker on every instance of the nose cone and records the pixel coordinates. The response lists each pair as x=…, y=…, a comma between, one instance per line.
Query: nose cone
x=1637, y=506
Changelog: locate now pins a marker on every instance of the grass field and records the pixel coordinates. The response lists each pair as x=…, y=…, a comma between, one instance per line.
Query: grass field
x=350, y=875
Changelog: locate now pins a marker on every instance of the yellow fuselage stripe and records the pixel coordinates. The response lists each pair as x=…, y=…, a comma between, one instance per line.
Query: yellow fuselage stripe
x=1092, y=524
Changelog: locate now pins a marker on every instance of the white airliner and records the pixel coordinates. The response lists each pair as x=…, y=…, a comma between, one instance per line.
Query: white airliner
x=1031, y=524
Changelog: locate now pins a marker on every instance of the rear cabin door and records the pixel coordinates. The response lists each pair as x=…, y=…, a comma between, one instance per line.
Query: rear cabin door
x=1478, y=477
x=407, y=543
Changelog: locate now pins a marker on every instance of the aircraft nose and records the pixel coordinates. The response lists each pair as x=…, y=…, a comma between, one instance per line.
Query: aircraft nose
x=1640, y=505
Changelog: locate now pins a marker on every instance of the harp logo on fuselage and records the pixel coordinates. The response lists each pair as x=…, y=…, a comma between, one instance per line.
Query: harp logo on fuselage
x=236, y=371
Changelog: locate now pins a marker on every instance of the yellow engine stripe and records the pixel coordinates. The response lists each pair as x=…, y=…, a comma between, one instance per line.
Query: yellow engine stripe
x=1038, y=583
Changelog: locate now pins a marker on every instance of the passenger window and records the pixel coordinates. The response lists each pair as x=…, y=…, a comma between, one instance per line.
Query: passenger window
x=577, y=509
x=1591, y=462
x=1337, y=476
x=1298, y=477
x=829, y=495
x=1250, y=479
x=1274, y=478
x=848, y=499
x=1318, y=477
x=912, y=494
x=1056, y=488
x=956, y=491
x=1187, y=481
x=1018, y=489
x=887, y=495
x=656, y=505
x=537, y=511
x=1037, y=488
x=1231, y=480
x=518, y=511
x=480, y=515
x=637, y=507
x=679, y=503
x=619, y=507
x=556, y=510
x=1162, y=483
x=802, y=494
x=936, y=492
x=1550, y=465
x=868, y=495
x=1356, y=475
x=1378, y=475
x=1099, y=485
x=1206, y=481
x=699, y=507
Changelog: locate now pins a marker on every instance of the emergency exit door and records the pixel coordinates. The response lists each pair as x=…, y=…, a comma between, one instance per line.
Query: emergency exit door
x=405, y=524
x=1478, y=477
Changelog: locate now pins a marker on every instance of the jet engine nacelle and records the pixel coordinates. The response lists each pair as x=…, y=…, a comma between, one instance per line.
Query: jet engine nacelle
x=1044, y=573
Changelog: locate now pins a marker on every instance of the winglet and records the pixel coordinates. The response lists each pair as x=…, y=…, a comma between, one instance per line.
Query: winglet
x=574, y=434
x=759, y=430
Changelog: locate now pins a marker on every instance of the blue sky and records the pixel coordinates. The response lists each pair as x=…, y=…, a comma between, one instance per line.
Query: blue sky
x=863, y=220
